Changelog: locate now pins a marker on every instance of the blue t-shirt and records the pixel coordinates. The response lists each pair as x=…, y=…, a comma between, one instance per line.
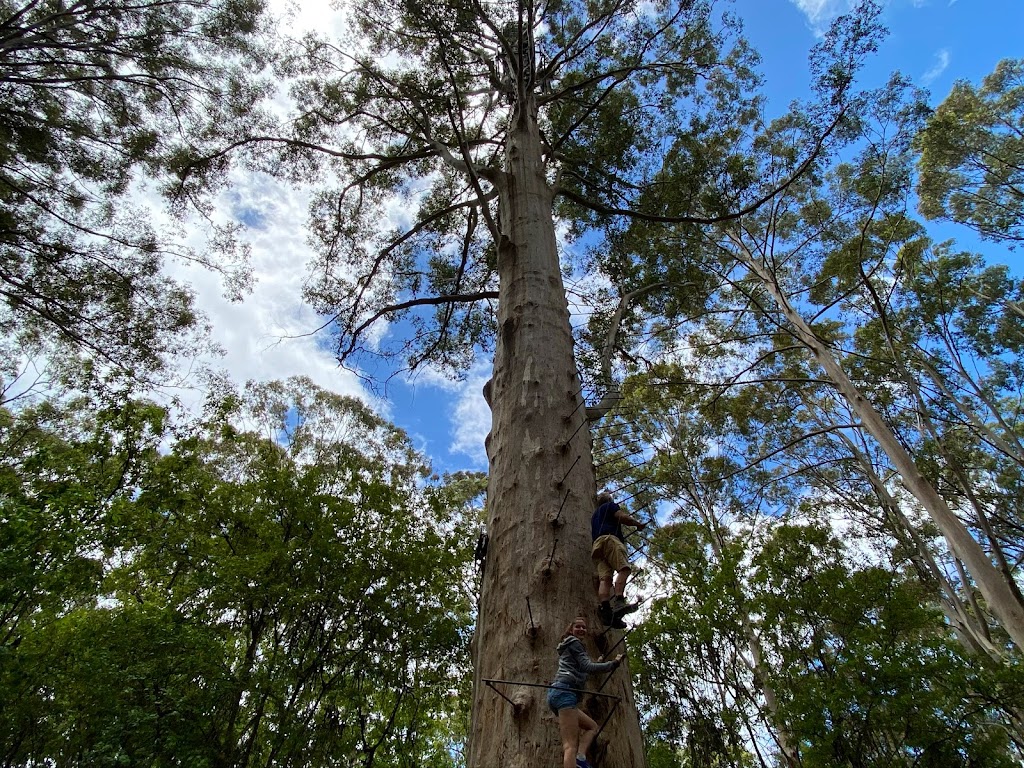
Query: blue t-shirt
x=604, y=522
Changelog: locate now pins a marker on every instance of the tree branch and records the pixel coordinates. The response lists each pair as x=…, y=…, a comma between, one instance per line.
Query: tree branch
x=748, y=209
x=421, y=302
x=612, y=395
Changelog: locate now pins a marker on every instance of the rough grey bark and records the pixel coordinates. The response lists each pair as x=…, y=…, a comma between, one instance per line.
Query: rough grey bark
x=538, y=573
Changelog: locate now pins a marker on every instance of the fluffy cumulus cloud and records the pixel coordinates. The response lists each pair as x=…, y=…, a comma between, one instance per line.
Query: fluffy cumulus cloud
x=320, y=16
x=265, y=331
x=269, y=334
x=471, y=418
x=447, y=420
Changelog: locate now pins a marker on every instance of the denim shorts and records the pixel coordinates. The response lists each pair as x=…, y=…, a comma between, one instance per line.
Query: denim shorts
x=562, y=698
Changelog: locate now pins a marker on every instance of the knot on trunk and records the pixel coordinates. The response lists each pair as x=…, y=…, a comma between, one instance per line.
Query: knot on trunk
x=508, y=332
x=532, y=631
x=521, y=704
x=546, y=566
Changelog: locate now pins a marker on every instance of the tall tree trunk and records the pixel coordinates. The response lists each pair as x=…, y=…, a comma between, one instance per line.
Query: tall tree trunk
x=968, y=626
x=538, y=573
x=1001, y=597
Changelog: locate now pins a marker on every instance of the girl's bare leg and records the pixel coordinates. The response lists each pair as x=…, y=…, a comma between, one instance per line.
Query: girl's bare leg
x=569, y=723
x=588, y=730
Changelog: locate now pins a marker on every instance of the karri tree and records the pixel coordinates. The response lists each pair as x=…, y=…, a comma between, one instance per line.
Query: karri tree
x=835, y=309
x=935, y=336
x=462, y=136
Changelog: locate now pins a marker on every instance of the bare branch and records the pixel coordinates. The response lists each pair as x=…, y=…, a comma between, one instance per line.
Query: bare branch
x=425, y=301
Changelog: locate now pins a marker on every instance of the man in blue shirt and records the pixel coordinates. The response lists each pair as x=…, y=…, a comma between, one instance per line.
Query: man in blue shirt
x=609, y=556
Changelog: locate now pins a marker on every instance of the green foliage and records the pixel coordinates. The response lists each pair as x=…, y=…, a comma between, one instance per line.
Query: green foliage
x=646, y=110
x=61, y=473
x=135, y=685
x=838, y=271
x=247, y=600
x=867, y=675
x=744, y=434
x=861, y=670
x=971, y=155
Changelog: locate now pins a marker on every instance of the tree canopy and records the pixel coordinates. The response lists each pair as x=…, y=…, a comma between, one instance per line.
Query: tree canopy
x=646, y=111
x=970, y=164
x=240, y=599
x=96, y=96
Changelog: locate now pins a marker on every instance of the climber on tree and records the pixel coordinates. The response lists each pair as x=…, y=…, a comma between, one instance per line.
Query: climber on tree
x=609, y=555
x=576, y=728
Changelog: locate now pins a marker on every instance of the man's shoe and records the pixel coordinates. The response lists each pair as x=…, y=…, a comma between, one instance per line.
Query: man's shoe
x=604, y=610
x=618, y=623
x=620, y=607
x=581, y=762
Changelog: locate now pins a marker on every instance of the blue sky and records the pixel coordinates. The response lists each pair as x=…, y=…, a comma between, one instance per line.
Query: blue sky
x=934, y=42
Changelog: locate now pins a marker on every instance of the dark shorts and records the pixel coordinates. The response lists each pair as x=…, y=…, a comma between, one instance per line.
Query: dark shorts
x=562, y=698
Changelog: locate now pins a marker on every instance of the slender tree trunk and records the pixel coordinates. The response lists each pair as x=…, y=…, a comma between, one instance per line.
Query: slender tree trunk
x=780, y=732
x=969, y=627
x=538, y=573
x=788, y=746
x=1002, y=598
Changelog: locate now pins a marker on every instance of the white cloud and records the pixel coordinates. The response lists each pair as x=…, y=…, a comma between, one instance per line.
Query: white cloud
x=269, y=334
x=471, y=417
x=321, y=16
x=941, y=63
x=820, y=13
x=272, y=333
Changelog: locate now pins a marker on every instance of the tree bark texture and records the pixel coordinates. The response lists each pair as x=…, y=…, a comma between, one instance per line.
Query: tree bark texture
x=538, y=574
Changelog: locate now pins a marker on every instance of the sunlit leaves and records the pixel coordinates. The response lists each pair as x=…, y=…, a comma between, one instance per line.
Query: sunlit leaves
x=971, y=152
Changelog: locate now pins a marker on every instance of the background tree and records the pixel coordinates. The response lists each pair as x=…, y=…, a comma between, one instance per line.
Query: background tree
x=63, y=468
x=860, y=665
x=972, y=156
x=842, y=301
x=259, y=607
x=840, y=353
x=96, y=95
